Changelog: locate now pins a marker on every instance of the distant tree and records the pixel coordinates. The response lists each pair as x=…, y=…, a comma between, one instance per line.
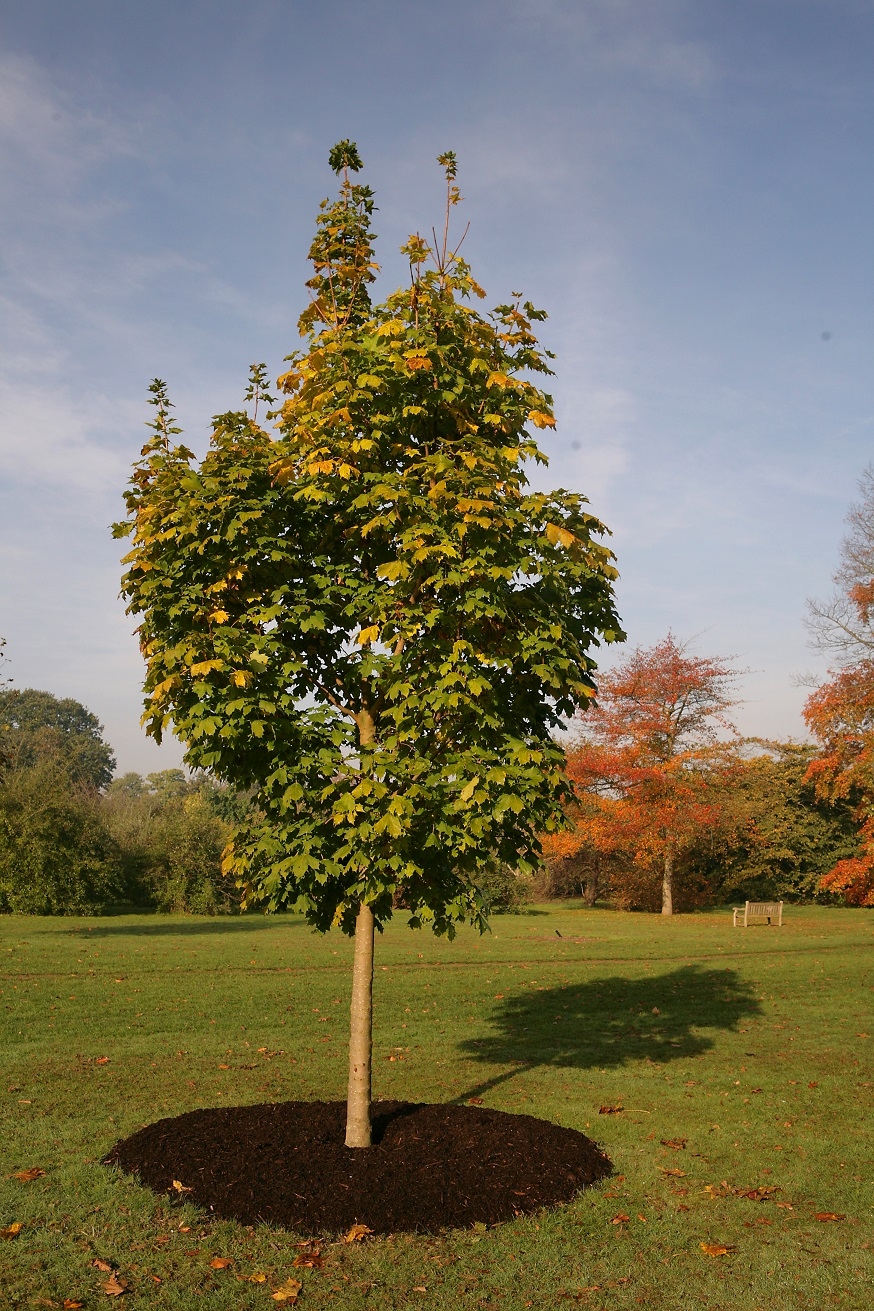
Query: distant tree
x=56, y=856
x=37, y=726
x=371, y=621
x=648, y=766
x=840, y=713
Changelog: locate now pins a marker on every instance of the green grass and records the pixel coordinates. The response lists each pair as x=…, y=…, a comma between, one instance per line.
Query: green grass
x=753, y=1045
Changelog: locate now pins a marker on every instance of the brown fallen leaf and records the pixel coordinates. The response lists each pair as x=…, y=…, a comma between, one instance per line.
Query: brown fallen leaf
x=28, y=1176
x=220, y=1262
x=114, y=1287
x=813, y=1085
x=620, y=1219
x=681, y=1207
x=474, y=1101
x=676, y=1174
x=718, y=1249
x=786, y=1206
x=828, y=1215
x=102, y=1265
x=762, y=1220
x=11, y=1231
x=185, y=1229
x=356, y=1233
x=255, y=1278
x=676, y=1144
x=289, y=1292
x=611, y=1110
x=418, y=1288
x=224, y=1067
x=101, y=1060
x=309, y=1260
x=71, y=1305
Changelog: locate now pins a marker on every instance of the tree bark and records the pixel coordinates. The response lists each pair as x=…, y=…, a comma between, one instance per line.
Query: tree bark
x=668, y=884
x=360, y=1033
x=590, y=891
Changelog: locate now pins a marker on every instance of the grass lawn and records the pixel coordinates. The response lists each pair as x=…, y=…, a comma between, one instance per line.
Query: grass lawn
x=748, y=1049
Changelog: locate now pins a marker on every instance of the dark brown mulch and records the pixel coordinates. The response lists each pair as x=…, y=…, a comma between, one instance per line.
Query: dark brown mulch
x=431, y=1167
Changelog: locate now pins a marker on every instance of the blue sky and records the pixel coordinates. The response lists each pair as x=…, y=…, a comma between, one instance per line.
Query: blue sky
x=686, y=187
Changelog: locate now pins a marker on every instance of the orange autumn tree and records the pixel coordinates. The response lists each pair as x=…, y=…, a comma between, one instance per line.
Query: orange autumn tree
x=649, y=760
x=840, y=713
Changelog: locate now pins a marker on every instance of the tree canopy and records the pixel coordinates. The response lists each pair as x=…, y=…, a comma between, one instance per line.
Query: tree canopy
x=36, y=726
x=368, y=616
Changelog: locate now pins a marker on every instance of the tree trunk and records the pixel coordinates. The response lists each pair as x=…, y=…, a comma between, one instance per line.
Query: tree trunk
x=668, y=884
x=591, y=889
x=360, y=1033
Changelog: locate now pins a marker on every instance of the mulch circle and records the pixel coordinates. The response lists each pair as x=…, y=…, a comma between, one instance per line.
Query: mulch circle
x=431, y=1167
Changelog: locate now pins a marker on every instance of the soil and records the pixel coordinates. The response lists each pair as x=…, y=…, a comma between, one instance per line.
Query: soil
x=431, y=1167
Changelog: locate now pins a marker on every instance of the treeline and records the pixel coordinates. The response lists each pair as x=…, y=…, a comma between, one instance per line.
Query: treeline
x=75, y=840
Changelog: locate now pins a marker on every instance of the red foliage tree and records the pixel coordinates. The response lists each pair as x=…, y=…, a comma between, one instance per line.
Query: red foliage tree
x=840, y=713
x=648, y=762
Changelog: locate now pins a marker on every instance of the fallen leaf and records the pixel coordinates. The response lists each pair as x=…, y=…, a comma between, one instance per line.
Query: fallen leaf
x=813, y=1085
x=27, y=1176
x=356, y=1233
x=718, y=1249
x=179, y=1187
x=620, y=1219
x=224, y=1067
x=220, y=1262
x=288, y=1292
x=102, y=1265
x=309, y=1260
x=641, y=1217
x=419, y=1288
x=101, y=1060
x=751, y=1224
x=474, y=1101
x=682, y=1207
x=114, y=1286
x=676, y=1174
x=185, y=1229
x=611, y=1110
x=255, y=1278
x=11, y=1231
x=828, y=1215
x=677, y=1144
x=70, y=1305
x=787, y=1206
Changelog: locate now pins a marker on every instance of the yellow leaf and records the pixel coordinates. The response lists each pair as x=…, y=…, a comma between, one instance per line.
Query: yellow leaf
x=541, y=420
x=498, y=380
x=418, y=362
x=180, y=1187
x=356, y=1233
x=11, y=1231
x=240, y=677
x=345, y=470
x=220, y=616
x=289, y=1291
x=559, y=536
x=204, y=666
x=368, y=635
x=469, y=789
x=718, y=1249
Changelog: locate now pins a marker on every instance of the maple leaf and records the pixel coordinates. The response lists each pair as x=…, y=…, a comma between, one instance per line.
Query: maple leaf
x=620, y=1219
x=309, y=1260
x=220, y=1262
x=114, y=1287
x=356, y=1233
x=11, y=1231
x=102, y=1265
x=611, y=1110
x=718, y=1249
x=289, y=1292
x=677, y=1144
x=667, y=1170
x=70, y=1304
x=828, y=1215
x=27, y=1176
x=179, y=1187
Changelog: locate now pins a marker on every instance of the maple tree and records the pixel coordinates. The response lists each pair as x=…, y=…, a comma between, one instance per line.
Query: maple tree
x=840, y=713
x=647, y=764
x=369, y=618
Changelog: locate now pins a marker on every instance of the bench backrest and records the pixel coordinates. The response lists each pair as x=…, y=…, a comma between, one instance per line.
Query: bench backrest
x=764, y=909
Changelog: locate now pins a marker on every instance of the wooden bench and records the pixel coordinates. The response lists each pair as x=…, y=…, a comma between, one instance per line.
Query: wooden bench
x=759, y=912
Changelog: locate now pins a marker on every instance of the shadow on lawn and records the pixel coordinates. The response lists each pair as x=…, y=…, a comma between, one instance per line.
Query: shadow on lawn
x=612, y=1021
x=158, y=927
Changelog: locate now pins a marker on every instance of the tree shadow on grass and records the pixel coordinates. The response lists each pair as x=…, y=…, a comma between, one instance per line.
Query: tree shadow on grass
x=613, y=1021
x=158, y=927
